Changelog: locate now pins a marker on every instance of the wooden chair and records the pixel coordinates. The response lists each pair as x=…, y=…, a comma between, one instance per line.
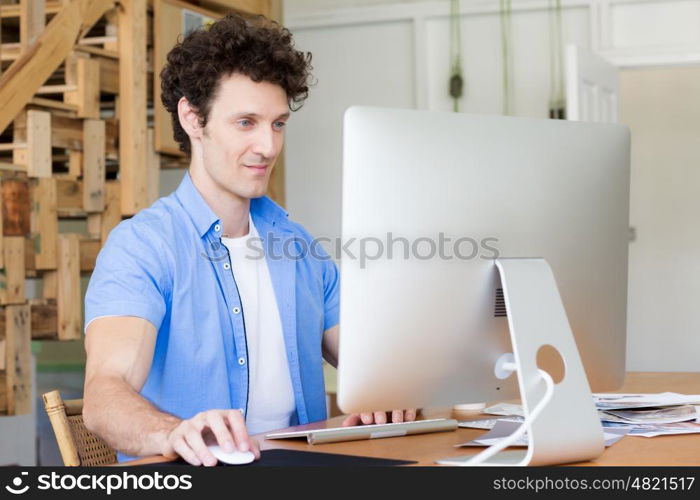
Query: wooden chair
x=78, y=445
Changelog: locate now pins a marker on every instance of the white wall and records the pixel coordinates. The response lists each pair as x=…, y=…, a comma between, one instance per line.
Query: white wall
x=395, y=53
x=662, y=108
x=368, y=64
x=404, y=62
x=482, y=60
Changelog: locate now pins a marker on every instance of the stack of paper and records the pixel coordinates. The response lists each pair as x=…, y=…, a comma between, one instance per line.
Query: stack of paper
x=645, y=415
x=650, y=415
x=636, y=401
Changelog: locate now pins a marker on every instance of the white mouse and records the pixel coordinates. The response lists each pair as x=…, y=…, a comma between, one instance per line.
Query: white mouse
x=235, y=457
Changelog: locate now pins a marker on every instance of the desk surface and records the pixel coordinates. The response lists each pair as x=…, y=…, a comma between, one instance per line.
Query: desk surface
x=426, y=448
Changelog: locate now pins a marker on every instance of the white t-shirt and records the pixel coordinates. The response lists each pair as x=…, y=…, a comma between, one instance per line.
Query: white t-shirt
x=270, y=397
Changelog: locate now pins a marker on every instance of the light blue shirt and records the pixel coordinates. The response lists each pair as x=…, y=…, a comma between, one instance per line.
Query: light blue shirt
x=167, y=265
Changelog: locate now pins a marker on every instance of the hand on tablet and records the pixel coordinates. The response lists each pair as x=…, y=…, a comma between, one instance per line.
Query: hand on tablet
x=380, y=417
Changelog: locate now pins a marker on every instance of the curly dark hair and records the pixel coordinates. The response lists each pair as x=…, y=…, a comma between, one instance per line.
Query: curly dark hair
x=253, y=46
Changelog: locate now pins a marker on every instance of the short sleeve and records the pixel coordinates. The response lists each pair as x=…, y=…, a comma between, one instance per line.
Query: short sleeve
x=129, y=278
x=331, y=294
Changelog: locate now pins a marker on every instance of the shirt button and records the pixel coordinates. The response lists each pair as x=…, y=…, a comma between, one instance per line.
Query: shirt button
x=217, y=227
x=237, y=310
x=241, y=361
x=227, y=265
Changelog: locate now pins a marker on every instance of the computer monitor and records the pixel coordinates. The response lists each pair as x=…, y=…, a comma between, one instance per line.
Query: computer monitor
x=431, y=199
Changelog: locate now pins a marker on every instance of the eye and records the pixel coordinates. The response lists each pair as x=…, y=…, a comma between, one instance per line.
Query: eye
x=279, y=125
x=245, y=122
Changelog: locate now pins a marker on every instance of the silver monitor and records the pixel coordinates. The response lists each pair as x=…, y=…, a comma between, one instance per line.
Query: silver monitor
x=432, y=199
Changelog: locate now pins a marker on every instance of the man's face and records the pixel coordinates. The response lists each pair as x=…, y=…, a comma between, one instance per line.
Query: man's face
x=244, y=135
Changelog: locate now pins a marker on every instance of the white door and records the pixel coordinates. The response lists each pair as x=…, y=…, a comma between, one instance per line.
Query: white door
x=661, y=106
x=592, y=87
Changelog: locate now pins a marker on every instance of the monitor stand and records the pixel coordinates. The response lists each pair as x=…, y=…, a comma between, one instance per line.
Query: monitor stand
x=568, y=428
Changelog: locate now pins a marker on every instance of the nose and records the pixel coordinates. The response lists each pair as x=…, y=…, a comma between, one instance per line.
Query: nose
x=266, y=143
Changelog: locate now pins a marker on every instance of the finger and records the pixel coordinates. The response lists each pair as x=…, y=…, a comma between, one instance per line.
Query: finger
x=353, y=419
x=240, y=433
x=380, y=417
x=198, y=422
x=367, y=418
x=181, y=448
x=397, y=416
x=410, y=415
x=194, y=440
x=218, y=426
x=255, y=448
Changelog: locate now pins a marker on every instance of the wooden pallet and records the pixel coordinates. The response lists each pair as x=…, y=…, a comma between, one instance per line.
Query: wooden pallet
x=76, y=142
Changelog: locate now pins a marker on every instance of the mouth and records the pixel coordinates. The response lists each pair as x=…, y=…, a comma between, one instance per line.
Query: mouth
x=261, y=168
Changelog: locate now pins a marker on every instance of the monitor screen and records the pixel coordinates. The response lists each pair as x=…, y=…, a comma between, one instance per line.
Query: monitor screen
x=432, y=199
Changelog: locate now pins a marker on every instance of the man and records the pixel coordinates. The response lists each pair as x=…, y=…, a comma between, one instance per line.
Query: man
x=191, y=340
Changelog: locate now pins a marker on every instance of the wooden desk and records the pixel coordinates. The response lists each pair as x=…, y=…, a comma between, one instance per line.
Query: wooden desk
x=426, y=448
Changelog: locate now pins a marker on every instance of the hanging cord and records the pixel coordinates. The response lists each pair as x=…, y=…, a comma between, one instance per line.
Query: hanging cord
x=526, y=426
x=456, y=80
x=560, y=43
x=506, y=49
x=557, y=100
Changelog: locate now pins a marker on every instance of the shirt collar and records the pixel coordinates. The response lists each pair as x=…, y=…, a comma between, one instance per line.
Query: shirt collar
x=204, y=217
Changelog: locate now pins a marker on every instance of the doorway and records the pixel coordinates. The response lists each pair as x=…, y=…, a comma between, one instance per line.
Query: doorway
x=661, y=106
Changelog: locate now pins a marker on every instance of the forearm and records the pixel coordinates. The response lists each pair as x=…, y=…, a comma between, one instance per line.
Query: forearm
x=329, y=345
x=113, y=410
x=331, y=357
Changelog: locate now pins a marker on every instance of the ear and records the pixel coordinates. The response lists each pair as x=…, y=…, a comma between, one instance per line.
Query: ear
x=189, y=119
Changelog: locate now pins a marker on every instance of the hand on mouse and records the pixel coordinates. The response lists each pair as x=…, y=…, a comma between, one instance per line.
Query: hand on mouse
x=380, y=417
x=190, y=437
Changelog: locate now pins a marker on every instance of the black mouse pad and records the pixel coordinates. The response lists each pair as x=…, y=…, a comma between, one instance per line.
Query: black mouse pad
x=286, y=458
x=315, y=459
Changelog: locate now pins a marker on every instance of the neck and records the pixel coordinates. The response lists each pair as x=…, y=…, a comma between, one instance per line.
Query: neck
x=231, y=209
